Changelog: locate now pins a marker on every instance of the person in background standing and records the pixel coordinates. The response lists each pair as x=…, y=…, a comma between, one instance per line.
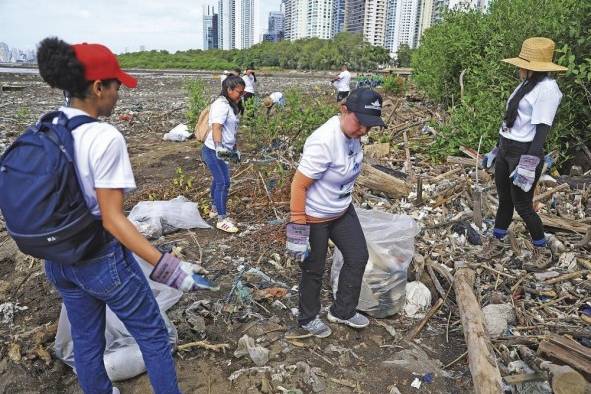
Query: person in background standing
x=220, y=145
x=250, y=80
x=519, y=154
x=341, y=83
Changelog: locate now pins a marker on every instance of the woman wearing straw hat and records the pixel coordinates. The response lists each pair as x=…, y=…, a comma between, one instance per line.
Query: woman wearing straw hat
x=518, y=156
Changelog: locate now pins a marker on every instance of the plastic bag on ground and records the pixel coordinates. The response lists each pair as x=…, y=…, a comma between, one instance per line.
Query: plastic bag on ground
x=258, y=354
x=179, y=133
x=123, y=359
x=155, y=218
x=390, y=242
x=418, y=298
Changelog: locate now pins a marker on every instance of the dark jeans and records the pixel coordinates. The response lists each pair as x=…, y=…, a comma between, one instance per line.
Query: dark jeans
x=220, y=183
x=512, y=197
x=114, y=278
x=342, y=95
x=348, y=236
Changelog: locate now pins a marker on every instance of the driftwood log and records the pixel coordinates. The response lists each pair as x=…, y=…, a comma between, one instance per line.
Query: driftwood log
x=377, y=180
x=483, y=366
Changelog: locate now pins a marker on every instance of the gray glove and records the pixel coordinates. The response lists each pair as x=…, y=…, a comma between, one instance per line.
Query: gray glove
x=489, y=159
x=524, y=174
x=298, y=236
x=181, y=275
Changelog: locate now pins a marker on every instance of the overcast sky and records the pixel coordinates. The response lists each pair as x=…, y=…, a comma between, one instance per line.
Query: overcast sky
x=119, y=24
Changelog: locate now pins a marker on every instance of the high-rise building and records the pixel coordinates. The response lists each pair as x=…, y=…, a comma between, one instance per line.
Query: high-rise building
x=319, y=18
x=226, y=10
x=354, y=15
x=374, y=22
x=338, y=16
x=244, y=23
x=210, y=29
x=275, y=30
x=403, y=16
x=425, y=19
x=295, y=22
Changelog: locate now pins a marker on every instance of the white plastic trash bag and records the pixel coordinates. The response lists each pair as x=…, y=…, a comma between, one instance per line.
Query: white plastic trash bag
x=418, y=298
x=390, y=242
x=155, y=218
x=179, y=133
x=123, y=359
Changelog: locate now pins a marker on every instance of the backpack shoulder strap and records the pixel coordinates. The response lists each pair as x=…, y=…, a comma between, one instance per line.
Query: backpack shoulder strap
x=79, y=121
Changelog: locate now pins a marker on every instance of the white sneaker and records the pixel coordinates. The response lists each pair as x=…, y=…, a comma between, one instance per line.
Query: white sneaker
x=116, y=390
x=227, y=225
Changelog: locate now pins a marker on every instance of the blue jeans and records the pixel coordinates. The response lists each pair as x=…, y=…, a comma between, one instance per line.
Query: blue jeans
x=112, y=277
x=220, y=184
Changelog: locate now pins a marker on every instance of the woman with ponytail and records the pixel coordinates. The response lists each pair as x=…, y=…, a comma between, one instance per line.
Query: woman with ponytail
x=518, y=156
x=90, y=77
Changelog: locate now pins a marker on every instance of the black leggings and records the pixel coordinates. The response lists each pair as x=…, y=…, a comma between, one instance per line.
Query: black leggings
x=513, y=197
x=348, y=236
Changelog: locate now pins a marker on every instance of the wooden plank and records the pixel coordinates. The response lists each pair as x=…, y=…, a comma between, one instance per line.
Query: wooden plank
x=562, y=223
x=377, y=180
x=566, y=351
x=525, y=377
x=463, y=161
x=481, y=358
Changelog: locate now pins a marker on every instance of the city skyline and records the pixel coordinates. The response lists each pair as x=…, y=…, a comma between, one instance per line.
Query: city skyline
x=173, y=25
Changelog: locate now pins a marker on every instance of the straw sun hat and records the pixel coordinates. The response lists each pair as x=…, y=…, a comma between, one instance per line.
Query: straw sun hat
x=536, y=55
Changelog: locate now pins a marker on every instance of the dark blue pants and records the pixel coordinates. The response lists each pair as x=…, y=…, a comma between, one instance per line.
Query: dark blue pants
x=114, y=278
x=220, y=184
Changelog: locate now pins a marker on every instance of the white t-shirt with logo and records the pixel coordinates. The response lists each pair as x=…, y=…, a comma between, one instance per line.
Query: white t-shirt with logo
x=536, y=107
x=249, y=83
x=334, y=161
x=342, y=84
x=101, y=159
x=221, y=112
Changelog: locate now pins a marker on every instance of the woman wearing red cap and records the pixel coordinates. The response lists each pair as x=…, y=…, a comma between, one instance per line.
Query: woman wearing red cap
x=322, y=209
x=90, y=77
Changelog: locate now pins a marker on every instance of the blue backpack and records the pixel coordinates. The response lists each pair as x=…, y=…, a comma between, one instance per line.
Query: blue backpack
x=40, y=196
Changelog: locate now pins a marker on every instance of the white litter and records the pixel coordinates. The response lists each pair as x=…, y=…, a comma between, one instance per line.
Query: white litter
x=418, y=298
x=179, y=133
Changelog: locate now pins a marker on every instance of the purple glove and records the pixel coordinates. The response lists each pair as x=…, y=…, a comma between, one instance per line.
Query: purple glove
x=523, y=176
x=489, y=159
x=181, y=275
x=298, y=236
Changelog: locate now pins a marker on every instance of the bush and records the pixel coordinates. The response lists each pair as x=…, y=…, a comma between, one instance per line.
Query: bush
x=475, y=43
x=198, y=100
x=394, y=84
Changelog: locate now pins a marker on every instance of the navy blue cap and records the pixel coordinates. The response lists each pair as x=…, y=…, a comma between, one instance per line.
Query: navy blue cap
x=367, y=105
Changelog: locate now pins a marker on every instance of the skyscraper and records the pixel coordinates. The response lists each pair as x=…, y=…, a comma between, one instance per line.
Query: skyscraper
x=210, y=29
x=374, y=21
x=275, y=26
x=338, y=16
x=226, y=37
x=319, y=18
x=354, y=15
x=295, y=22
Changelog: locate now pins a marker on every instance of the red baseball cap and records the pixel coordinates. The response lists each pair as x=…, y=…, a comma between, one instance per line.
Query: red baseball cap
x=100, y=63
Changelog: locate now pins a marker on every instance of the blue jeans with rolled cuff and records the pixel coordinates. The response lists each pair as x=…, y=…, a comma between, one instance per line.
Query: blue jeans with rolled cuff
x=112, y=277
x=220, y=184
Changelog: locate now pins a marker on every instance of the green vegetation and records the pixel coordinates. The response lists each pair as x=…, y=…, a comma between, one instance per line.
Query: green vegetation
x=198, y=100
x=394, y=84
x=403, y=55
x=476, y=43
x=302, y=114
x=305, y=54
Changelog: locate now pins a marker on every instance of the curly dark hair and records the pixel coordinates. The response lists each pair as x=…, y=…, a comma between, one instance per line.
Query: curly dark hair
x=59, y=67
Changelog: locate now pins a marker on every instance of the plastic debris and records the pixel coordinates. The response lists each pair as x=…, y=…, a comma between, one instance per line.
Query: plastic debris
x=418, y=298
x=258, y=354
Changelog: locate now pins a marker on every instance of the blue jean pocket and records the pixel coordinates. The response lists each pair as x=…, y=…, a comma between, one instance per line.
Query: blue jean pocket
x=99, y=276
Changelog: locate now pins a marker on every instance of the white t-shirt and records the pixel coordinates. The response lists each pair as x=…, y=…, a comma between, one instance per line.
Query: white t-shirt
x=277, y=98
x=249, y=83
x=342, y=84
x=536, y=107
x=221, y=112
x=101, y=158
x=334, y=160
